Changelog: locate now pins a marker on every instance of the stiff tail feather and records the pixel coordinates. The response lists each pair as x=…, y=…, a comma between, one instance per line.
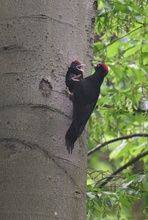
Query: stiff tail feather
x=70, y=138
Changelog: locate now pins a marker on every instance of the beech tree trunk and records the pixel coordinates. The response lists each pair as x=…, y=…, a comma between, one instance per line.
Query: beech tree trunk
x=38, y=40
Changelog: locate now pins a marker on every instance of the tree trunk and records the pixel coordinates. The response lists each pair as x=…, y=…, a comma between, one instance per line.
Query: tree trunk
x=38, y=178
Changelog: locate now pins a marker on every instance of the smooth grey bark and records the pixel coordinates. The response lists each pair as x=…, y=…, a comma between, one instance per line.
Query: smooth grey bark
x=38, y=40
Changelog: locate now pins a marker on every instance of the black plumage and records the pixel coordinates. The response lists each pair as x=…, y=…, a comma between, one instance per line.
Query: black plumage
x=85, y=96
x=74, y=74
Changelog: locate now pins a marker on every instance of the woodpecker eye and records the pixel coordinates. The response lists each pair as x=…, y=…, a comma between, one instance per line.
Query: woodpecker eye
x=97, y=65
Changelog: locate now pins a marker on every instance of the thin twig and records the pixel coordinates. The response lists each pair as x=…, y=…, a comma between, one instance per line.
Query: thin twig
x=118, y=39
x=132, y=161
x=98, y=147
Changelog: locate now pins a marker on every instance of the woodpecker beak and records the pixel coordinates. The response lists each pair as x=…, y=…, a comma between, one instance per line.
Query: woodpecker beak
x=80, y=67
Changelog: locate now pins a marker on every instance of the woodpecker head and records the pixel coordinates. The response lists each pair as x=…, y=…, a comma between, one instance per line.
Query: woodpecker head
x=77, y=65
x=103, y=68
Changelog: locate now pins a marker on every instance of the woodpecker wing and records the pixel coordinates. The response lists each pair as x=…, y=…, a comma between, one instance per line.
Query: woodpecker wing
x=84, y=101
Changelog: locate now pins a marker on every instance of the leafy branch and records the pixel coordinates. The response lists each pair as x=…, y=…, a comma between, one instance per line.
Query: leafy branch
x=98, y=147
x=118, y=39
x=125, y=166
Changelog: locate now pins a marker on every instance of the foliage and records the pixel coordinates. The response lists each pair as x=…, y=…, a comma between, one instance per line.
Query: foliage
x=109, y=203
x=122, y=42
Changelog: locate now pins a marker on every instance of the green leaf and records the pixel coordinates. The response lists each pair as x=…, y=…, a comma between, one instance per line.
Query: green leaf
x=112, y=49
x=119, y=150
x=131, y=51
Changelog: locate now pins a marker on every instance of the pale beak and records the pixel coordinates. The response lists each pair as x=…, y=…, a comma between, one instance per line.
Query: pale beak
x=76, y=78
x=80, y=67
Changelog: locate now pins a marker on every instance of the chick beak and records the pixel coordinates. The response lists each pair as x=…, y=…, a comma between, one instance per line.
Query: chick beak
x=76, y=78
x=80, y=67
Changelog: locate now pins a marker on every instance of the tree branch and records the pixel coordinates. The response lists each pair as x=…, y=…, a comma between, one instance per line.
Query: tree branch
x=119, y=38
x=98, y=147
x=123, y=168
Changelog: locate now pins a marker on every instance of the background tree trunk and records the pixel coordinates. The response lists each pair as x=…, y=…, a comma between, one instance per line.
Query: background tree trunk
x=39, y=39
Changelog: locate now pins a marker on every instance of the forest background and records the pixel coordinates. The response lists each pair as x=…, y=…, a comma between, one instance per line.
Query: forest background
x=118, y=128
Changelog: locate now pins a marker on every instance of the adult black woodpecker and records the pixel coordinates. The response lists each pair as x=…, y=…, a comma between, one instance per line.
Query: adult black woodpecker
x=74, y=74
x=85, y=96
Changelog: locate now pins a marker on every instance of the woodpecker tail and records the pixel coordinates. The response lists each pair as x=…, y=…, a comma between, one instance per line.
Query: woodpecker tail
x=70, y=138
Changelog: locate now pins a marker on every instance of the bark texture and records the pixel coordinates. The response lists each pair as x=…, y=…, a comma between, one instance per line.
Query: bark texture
x=38, y=40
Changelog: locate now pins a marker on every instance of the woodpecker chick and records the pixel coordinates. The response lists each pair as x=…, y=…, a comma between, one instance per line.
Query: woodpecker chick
x=74, y=74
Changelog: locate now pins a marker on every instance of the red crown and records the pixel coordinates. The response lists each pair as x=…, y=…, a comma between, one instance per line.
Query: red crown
x=105, y=67
x=76, y=60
